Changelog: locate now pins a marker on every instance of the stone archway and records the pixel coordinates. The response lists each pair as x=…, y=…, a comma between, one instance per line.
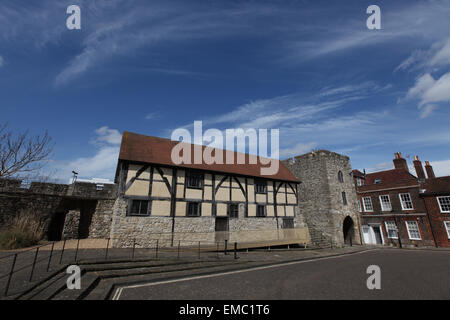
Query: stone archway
x=348, y=228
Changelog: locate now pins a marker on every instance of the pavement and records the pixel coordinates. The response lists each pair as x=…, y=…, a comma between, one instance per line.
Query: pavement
x=311, y=274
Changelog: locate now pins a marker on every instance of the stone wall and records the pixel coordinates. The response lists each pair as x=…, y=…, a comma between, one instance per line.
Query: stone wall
x=143, y=231
x=52, y=202
x=320, y=194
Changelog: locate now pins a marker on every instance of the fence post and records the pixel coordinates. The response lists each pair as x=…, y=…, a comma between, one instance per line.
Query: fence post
x=178, y=255
x=199, y=249
x=10, y=274
x=217, y=250
x=50, y=257
x=225, y=248
x=106, y=253
x=156, y=248
x=235, y=250
x=62, y=251
x=76, y=251
x=34, y=263
x=134, y=246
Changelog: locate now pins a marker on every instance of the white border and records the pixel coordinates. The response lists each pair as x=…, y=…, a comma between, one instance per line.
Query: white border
x=387, y=229
x=381, y=202
x=401, y=202
x=447, y=228
x=440, y=208
x=418, y=228
x=364, y=204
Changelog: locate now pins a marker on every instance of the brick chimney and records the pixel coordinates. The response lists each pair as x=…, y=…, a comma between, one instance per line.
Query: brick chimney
x=430, y=171
x=399, y=162
x=419, y=169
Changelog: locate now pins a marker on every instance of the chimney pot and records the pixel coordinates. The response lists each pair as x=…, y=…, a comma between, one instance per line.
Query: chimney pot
x=429, y=169
x=419, y=168
x=399, y=162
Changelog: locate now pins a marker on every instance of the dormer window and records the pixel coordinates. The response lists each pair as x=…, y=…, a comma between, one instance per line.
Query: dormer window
x=377, y=181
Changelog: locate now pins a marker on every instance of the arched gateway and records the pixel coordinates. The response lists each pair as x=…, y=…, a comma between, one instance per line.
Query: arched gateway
x=348, y=229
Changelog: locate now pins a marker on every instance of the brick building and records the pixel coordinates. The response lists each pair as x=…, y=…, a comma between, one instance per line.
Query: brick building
x=436, y=196
x=392, y=207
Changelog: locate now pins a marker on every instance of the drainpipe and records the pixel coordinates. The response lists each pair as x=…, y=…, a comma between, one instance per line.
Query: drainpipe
x=398, y=233
x=430, y=223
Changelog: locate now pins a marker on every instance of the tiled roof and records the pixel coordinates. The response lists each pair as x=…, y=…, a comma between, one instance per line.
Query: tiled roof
x=394, y=175
x=357, y=173
x=439, y=185
x=147, y=149
x=388, y=179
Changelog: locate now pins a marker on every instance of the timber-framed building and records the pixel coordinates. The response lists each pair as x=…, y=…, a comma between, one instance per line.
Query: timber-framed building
x=199, y=201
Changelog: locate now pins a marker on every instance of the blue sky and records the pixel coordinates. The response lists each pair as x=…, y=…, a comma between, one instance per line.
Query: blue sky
x=308, y=68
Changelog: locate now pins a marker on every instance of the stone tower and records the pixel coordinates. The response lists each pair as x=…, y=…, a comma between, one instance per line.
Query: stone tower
x=327, y=196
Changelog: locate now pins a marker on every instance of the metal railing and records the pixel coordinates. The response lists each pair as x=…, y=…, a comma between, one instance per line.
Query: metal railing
x=21, y=269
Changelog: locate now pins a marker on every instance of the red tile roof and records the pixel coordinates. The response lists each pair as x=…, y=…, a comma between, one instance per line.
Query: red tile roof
x=147, y=149
x=388, y=179
x=394, y=175
x=439, y=185
x=357, y=173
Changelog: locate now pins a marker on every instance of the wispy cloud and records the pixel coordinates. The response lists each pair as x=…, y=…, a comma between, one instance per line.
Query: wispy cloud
x=101, y=164
x=322, y=120
x=1, y=61
x=437, y=56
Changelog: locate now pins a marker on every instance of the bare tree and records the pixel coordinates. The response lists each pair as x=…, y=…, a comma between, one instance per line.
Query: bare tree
x=22, y=154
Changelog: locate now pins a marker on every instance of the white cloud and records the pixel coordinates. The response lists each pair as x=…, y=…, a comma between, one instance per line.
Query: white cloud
x=298, y=149
x=102, y=164
x=427, y=110
x=381, y=167
x=437, y=56
x=422, y=84
x=428, y=90
x=441, y=168
x=110, y=136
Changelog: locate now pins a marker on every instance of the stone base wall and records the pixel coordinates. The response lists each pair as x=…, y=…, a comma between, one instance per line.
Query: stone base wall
x=71, y=223
x=145, y=231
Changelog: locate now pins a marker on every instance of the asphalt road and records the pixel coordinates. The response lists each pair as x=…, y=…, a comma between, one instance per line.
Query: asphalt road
x=405, y=274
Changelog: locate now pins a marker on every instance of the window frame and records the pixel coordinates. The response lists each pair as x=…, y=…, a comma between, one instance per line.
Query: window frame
x=447, y=227
x=229, y=210
x=401, y=201
x=381, y=202
x=439, y=203
x=257, y=211
x=344, y=198
x=364, y=204
x=258, y=183
x=409, y=233
x=359, y=206
x=394, y=229
x=199, y=209
x=340, y=176
x=134, y=214
x=199, y=175
x=359, y=182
